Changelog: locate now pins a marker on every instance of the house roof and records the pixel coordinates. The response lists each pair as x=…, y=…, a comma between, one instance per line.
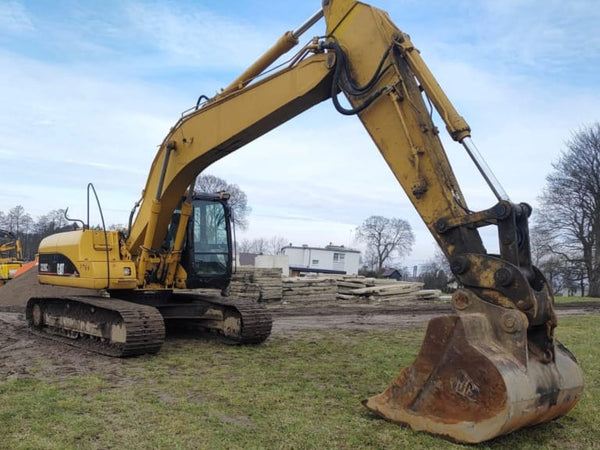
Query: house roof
x=390, y=272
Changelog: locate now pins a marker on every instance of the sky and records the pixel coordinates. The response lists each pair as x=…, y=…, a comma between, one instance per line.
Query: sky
x=89, y=89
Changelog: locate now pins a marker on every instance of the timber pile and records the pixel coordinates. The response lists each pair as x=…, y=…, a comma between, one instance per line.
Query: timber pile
x=267, y=285
x=259, y=284
x=307, y=290
x=371, y=290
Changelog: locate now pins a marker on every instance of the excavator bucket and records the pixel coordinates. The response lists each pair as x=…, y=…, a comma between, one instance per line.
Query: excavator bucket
x=476, y=378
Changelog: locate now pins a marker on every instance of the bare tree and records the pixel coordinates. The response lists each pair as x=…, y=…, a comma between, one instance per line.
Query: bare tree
x=261, y=245
x=385, y=237
x=434, y=277
x=440, y=259
x=436, y=273
x=257, y=245
x=16, y=219
x=238, y=200
x=31, y=232
x=276, y=243
x=569, y=216
x=541, y=242
x=52, y=222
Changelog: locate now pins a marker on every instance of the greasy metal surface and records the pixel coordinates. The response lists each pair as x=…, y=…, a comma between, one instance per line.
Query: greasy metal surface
x=474, y=378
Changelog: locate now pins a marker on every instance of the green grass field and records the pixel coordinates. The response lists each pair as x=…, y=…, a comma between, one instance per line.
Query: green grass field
x=301, y=392
x=576, y=299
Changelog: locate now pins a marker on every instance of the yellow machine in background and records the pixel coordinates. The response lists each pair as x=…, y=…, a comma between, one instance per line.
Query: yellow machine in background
x=11, y=256
x=492, y=367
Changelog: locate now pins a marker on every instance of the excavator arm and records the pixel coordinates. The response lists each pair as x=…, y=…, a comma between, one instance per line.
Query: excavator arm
x=495, y=366
x=492, y=367
x=10, y=243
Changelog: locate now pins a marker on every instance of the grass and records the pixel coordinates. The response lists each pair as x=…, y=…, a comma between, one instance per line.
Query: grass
x=298, y=393
x=576, y=299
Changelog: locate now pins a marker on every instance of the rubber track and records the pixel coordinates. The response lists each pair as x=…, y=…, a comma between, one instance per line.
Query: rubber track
x=144, y=325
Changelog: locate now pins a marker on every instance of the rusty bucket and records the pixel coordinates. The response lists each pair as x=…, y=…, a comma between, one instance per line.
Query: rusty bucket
x=475, y=377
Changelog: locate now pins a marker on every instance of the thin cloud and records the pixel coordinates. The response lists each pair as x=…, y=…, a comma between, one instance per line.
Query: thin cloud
x=14, y=18
x=191, y=35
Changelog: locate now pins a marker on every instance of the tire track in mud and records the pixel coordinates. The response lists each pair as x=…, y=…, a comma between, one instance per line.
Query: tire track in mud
x=23, y=355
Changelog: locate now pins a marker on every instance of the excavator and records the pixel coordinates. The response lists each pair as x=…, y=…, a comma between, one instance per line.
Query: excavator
x=492, y=367
x=11, y=256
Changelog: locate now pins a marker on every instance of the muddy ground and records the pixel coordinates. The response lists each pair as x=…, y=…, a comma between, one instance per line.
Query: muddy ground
x=23, y=355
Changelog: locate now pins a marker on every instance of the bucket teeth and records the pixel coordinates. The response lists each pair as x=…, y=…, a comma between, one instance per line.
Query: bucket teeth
x=474, y=380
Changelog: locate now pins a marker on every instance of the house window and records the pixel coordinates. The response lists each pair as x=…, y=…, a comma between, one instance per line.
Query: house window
x=339, y=257
x=315, y=262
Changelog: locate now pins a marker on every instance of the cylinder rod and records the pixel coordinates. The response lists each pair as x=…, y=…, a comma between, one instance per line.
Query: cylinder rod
x=484, y=169
x=309, y=23
x=282, y=46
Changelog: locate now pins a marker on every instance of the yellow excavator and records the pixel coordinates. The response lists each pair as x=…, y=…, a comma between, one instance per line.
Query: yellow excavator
x=492, y=367
x=11, y=256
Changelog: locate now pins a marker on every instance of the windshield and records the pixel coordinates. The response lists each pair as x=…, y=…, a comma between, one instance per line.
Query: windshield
x=210, y=237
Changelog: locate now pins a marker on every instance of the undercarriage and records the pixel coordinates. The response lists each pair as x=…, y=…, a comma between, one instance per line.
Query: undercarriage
x=120, y=328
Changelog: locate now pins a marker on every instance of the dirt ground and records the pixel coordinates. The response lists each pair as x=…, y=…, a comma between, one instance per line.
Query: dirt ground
x=23, y=355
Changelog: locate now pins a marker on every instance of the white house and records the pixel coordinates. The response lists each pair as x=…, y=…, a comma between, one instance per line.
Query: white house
x=332, y=259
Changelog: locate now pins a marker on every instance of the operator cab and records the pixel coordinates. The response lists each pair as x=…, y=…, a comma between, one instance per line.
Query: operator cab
x=207, y=252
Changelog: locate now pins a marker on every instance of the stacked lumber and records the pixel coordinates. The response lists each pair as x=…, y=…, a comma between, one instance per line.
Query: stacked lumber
x=403, y=292
x=307, y=290
x=267, y=285
x=269, y=282
x=371, y=290
x=241, y=286
x=347, y=284
x=259, y=284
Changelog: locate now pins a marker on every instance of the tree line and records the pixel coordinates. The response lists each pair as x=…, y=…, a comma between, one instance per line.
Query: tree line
x=566, y=231
x=31, y=231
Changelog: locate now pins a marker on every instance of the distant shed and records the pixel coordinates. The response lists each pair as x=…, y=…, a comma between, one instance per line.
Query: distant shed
x=331, y=259
x=392, y=274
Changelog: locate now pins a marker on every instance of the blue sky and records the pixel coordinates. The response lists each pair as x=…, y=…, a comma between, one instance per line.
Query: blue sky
x=90, y=88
